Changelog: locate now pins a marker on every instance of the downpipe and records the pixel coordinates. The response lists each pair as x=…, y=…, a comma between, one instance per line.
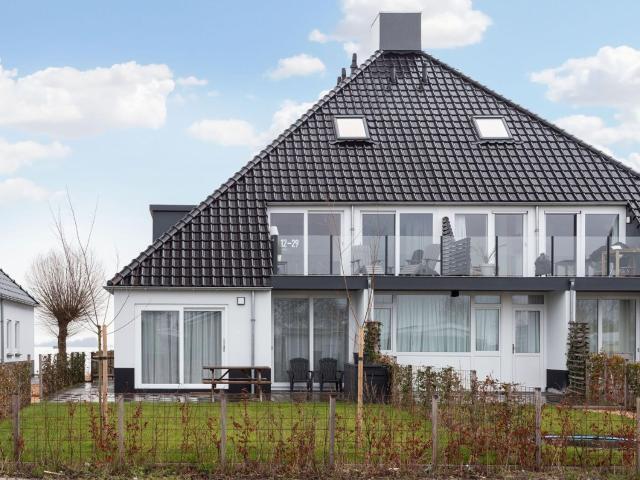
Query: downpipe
x=1, y=330
x=253, y=334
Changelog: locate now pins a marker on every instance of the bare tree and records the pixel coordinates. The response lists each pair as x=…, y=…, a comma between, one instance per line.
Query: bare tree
x=59, y=283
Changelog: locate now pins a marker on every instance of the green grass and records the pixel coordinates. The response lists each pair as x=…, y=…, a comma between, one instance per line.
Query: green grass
x=62, y=434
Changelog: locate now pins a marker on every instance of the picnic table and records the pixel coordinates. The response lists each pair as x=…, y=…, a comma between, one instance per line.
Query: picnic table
x=254, y=375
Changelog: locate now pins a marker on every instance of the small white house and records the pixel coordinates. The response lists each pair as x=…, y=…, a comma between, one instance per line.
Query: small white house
x=16, y=321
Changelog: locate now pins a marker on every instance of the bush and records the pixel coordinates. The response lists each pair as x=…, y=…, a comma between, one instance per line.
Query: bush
x=61, y=371
x=15, y=378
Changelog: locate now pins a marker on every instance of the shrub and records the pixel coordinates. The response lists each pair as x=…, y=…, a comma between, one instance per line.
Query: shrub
x=15, y=378
x=61, y=371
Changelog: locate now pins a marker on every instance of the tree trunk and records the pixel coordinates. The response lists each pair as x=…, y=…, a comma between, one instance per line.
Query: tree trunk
x=63, y=333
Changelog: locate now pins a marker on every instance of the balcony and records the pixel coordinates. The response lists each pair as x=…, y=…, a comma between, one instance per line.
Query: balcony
x=499, y=256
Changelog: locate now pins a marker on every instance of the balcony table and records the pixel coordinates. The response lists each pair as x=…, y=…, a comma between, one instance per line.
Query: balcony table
x=256, y=375
x=634, y=252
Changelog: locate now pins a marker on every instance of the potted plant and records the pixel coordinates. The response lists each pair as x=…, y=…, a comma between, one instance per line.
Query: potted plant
x=487, y=269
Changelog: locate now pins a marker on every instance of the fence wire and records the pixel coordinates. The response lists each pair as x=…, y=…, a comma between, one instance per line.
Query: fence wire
x=484, y=426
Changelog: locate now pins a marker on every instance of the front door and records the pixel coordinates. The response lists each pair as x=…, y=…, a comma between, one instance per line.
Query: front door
x=527, y=345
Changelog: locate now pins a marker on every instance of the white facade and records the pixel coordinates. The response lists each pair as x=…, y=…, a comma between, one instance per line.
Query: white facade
x=18, y=330
x=236, y=326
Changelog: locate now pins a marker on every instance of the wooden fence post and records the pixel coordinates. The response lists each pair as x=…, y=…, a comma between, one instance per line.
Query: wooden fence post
x=538, y=399
x=223, y=428
x=121, y=429
x=15, y=415
x=434, y=431
x=332, y=429
x=637, y=434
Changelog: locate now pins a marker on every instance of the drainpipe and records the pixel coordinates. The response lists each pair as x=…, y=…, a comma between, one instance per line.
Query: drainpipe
x=253, y=328
x=572, y=300
x=537, y=233
x=1, y=330
x=253, y=334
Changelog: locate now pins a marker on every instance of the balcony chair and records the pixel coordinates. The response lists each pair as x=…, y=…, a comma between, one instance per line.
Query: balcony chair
x=329, y=373
x=299, y=373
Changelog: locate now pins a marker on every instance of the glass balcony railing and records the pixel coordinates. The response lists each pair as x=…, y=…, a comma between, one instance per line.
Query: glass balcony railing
x=609, y=257
x=504, y=256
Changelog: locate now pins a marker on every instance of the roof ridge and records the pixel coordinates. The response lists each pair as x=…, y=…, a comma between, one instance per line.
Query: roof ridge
x=537, y=117
x=243, y=171
x=19, y=286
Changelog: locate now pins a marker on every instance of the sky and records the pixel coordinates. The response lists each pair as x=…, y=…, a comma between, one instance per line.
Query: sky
x=118, y=105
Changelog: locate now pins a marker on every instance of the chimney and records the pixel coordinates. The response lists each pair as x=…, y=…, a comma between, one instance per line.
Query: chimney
x=396, y=31
x=166, y=216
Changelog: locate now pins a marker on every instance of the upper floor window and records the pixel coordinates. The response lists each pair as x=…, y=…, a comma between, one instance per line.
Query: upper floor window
x=290, y=242
x=601, y=245
x=491, y=128
x=324, y=243
x=351, y=128
x=561, y=243
x=418, y=252
x=376, y=255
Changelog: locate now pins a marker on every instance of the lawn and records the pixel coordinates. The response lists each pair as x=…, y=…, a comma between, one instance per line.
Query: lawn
x=286, y=433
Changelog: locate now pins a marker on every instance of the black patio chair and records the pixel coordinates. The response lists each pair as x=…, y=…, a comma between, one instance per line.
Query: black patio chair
x=299, y=373
x=329, y=373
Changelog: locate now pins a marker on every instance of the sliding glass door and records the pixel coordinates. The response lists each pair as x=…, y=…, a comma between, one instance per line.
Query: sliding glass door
x=309, y=328
x=175, y=343
x=160, y=347
x=290, y=333
x=330, y=330
x=202, y=343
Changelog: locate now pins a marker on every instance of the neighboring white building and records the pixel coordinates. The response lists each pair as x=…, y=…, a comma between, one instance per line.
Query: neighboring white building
x=16, y=321
x=486, y=228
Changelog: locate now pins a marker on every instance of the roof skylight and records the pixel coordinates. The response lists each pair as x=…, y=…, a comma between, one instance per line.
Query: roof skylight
x=493, y=128
x=351, y=128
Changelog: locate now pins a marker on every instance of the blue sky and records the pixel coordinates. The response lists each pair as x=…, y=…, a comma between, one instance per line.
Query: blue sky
x=160, y=102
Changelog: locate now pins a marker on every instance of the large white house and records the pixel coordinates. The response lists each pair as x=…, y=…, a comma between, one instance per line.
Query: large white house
x=16, y=321
x=480, y=229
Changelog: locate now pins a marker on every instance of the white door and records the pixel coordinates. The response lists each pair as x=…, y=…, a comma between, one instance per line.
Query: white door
x=527, y=346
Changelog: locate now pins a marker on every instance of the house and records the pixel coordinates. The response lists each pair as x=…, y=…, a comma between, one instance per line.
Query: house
x=16, y=321
x=480, y=229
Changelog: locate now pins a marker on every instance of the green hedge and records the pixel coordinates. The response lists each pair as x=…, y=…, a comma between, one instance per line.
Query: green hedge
x=61, y=371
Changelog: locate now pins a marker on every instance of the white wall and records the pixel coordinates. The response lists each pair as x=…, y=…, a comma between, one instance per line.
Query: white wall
x=127, y=305
x=22, y=313
x=558, y=310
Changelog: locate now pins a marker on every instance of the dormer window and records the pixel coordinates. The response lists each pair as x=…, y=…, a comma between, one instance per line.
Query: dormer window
x=491, y=128
x=351, y=127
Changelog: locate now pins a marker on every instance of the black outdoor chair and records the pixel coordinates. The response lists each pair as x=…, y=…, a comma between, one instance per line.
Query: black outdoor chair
x=299, y=373
x=329, y=373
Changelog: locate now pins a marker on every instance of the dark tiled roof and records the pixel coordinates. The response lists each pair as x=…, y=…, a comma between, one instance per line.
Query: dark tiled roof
x=424, y=148
x=10, y=290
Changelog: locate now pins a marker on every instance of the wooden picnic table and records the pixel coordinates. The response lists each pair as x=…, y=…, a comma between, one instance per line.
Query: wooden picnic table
x=255, y=375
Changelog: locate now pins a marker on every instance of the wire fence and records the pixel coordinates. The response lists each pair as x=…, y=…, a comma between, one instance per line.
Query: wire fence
x=484, y=427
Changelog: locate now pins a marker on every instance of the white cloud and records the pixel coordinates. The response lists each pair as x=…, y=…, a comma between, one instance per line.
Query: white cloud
x=633, y=161
x=445, y=24
x=610, y=79
x=16, y=155
x=71, y=102
x=236, y=132
x=228, y=132
x=191, y=81
x=21, y=189
x=300, y=65
x=317, y=36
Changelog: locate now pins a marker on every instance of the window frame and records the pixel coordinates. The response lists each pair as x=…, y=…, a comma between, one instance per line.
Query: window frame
x=485, y=306
x=344, y=241
x=340, y=138
x=613, y=296
x=310, y=297
x=475, y=119
x=180, y=308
